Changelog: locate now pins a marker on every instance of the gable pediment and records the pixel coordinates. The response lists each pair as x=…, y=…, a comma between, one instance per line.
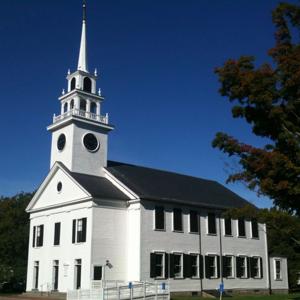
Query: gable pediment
x=48, y=195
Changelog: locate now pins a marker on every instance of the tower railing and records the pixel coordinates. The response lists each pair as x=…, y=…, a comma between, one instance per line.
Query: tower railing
x=83, y=114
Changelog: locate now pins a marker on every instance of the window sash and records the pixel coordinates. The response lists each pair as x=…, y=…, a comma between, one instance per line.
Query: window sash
x=194, y=222
x=177, y=219
x=212, y=259
x=159, y=218
x=159, y=265
x=178, y=265
x=228, y=226
x=211, y=223
x=241, y=227
x=194, y=265
x=277, y=270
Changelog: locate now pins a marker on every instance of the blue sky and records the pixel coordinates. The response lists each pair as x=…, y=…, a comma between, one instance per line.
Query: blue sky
x=156, y=59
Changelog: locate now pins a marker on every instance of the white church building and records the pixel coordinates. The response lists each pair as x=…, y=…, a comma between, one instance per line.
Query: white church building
x=93, y=219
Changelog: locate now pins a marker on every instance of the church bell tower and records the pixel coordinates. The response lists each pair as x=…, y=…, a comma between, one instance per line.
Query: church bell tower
x=80, y=132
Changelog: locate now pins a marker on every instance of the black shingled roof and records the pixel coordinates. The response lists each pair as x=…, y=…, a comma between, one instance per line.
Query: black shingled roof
x=164, y=186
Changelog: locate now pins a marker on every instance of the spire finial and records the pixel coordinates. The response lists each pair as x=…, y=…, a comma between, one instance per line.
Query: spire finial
x=82, y=61
x=84, y=10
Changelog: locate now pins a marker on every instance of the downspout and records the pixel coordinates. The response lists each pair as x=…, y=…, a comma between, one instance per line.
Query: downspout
x=268, y=260
x=200, y=253
x=221, y=251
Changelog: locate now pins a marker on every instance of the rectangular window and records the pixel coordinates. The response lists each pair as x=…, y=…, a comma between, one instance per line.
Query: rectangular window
x=159, y=215
x=158, y=265
x=77, y=275
x=228, y=226
x=38, y=236
x=254, y=229
x=36, y=275
x=241, y=267
x=194, y=222
x=79, y=231
x=97, y=273
x=177, y=219
x=55, y=275
x=228, y=266
x=256, y=267
x=211, y=220
x=241, y=227
x=194, y=258
x=277, y=269
x=211, y=266
x=56, y=234
x=178, y=265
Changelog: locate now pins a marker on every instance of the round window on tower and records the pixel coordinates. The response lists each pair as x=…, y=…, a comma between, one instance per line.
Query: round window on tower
x=61, y=142
x=90, y=142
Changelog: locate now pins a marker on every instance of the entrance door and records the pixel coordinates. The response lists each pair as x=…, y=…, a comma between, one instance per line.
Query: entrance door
x=78, y=273
x=55, y=275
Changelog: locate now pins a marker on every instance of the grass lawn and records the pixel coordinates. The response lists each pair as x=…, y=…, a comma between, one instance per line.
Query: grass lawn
x=249, y=297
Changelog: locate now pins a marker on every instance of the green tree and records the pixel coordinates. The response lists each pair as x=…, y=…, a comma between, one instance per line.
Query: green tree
x=14, y=232
x=268, y=98
x=283, y=233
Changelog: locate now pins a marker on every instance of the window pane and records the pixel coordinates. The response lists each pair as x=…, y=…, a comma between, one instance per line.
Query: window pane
x=177, y=265
x=212, y=223
x=159, y=218
x=228, y=229
x=241, y=225
x=97, y=272
x=194, y=226
x=177, y=219
x=159, y=264
x=254, y=226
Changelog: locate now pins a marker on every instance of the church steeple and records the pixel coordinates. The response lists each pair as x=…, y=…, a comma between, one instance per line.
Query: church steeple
x=82, y=61
x=80, y=132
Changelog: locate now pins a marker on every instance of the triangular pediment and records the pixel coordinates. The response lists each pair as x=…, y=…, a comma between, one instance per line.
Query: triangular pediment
x=59, y=188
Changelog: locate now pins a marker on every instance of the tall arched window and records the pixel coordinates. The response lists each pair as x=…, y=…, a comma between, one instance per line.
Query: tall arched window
x=72, y=104
x=65, y=107
x=82, y=105
x=93, y=108
x=87, y=85
x=73, y=83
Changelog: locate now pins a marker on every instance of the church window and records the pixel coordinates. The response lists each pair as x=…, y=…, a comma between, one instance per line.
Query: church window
x=82, y=105
x=178, y=265
x=227, y=266
x=38, y=236
x=73, y=83
x=72, y=104
x=211, y=223
x=254, y=229
x=228, y=226
x=194, y=222
x=90, y=142
x=212, y=266
x=97, y=273
x=177, y=219
x=277, y=269
x=61, y=142
x=256, y=267
x=65, y=107
x=93, y=108
x=242, y=267
x=79, y=231
x=241, y=227
x=56, y=234
x=87, y=85
x=159, y=216
x=158, y=265
x=59, y=187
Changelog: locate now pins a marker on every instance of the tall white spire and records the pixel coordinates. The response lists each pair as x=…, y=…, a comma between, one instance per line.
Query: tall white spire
x=82, y=61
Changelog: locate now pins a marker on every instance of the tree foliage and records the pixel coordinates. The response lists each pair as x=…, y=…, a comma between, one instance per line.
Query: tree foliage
x=268, y=98
x=283, y=233
x=14, y=232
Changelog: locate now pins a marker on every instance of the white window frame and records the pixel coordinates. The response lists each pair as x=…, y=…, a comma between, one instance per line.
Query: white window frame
x=37, y=235
x=258, y=266
x=189, y=222
x=215, y=265
x=232, y=266
x=181, y=265
x=198, y=264
x=154, y=219
x=163, y=264
x=275, y=271
x=245, y=259
x=173, y=222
